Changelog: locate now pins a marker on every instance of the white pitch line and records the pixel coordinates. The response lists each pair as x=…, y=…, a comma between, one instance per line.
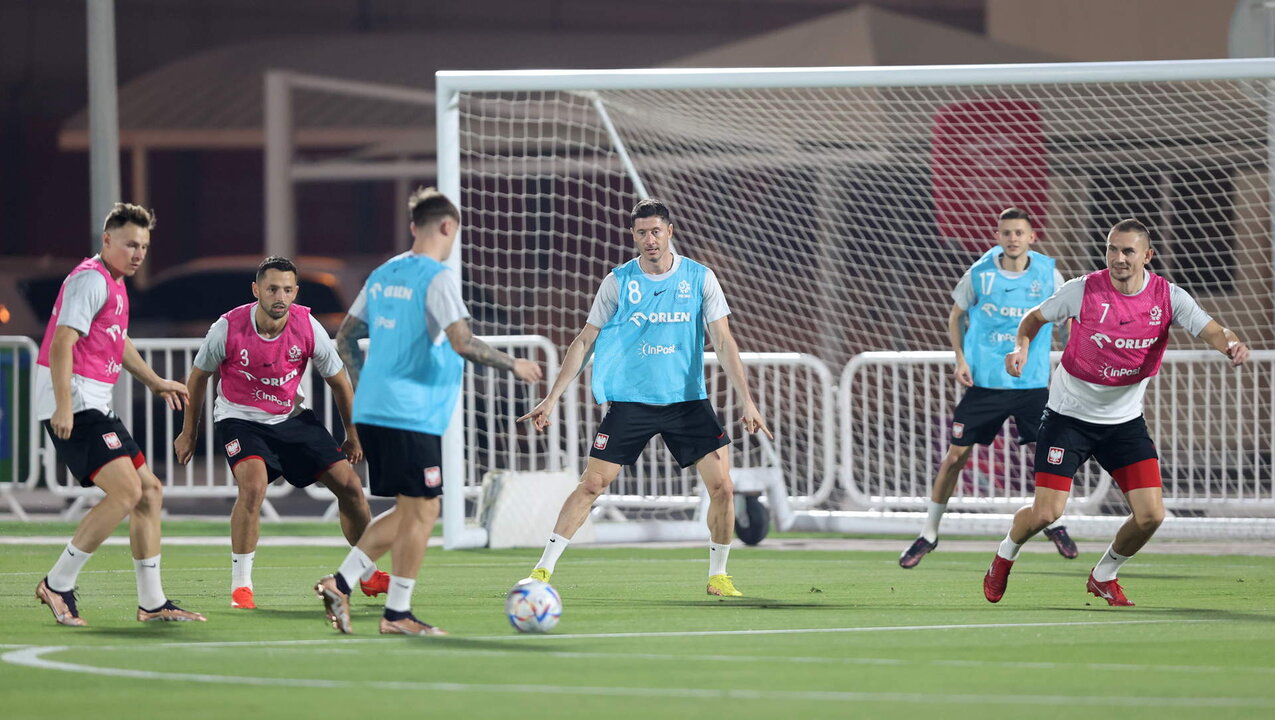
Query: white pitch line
x=805, y=631
x=791, y=659
x=34, y=658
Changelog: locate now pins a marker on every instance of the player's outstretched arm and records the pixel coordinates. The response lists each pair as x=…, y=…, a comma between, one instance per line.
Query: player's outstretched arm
x=343, y=396
x=1225, y=342
x=352, y=330
x=572, y=363
x=468, y=346
x=173, y=392
x=1016, y=360
x=196, y=387
x=956, y=336
x=728, y=354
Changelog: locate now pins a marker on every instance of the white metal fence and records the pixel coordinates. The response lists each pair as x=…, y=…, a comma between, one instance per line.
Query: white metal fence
x=1212, y=425
x=870, y=442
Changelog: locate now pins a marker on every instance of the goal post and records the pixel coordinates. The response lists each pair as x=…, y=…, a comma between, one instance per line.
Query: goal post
x=839, y=206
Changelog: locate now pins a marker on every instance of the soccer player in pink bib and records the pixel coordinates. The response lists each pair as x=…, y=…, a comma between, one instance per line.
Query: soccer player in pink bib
x=85, y=347
x=261, y=350
x=1118, y=336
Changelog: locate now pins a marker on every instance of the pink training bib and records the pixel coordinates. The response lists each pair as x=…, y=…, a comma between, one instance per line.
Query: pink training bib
x=99, y=355
x=1119, y=339
x=261, y=373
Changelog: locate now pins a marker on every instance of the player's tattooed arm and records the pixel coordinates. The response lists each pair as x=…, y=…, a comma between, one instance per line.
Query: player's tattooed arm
x=347, y=346
x=463, y=341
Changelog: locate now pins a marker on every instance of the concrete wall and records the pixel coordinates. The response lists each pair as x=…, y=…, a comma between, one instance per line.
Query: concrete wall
x=1109, y=30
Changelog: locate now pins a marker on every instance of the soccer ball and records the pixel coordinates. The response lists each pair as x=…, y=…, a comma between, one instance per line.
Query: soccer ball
x=533, y=606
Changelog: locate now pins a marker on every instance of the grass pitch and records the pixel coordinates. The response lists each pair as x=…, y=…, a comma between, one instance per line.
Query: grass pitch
x=820, y=634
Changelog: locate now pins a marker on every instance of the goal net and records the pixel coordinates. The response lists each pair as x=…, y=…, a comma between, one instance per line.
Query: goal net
x=839, y=207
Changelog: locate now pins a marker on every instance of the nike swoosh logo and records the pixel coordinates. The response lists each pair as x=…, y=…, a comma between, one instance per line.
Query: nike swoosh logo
x=658, y=293
x=149, y=566
x=1125, y=322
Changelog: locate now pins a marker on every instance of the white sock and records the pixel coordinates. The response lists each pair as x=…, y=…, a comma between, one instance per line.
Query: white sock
x=717, y=555
x=368, y=571
x=241, y=569
x=65, y=571
x=150, y=591
x=400, y=595
x=1009, y=549
x=1054, y=524
x=553, y=550
x=931, y=531
x=355, y=565
x=1109, y=565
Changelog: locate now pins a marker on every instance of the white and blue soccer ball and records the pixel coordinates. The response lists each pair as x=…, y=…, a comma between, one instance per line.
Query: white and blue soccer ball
x=533, y=606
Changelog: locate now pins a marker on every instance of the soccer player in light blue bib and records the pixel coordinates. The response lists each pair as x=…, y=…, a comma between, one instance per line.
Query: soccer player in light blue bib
x=411, y=310
x=646, y=331
x=992, y=296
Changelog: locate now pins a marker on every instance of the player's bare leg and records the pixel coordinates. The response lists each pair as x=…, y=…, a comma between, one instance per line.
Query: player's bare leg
x=144, y=538
x=714, y=471
x=1147, y=505
x=596, y=478
x=245, y=516
x=123, y=489
x=1047, y=506
x=351, y=502
x=252, y=479
x=944, y=484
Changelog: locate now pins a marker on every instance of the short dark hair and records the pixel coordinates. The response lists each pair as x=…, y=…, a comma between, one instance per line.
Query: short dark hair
x=122, y=214
x=428, y=205
x=1014, y=213
x=1133, y=226
x=275, y=262
x=650, y=207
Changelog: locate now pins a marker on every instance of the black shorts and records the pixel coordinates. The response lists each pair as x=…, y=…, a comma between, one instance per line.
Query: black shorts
x=96, y=439
x=1065, y=443
x=402, y=462
x=298, y=449
x=981, y=413
x=690, y=431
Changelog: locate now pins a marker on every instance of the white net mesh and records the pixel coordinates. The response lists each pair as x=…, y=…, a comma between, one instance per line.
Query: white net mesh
x=839, y=219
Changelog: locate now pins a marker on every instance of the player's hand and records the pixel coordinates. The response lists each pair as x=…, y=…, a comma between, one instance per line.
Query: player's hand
x=1238, y=353
x=184, y=447
x=173, y=392
x=527, y=370
x=1014, y=363
x=962, y=374
x=540, y=414
x=752, y=421
x=61, y=422
x=352, y=448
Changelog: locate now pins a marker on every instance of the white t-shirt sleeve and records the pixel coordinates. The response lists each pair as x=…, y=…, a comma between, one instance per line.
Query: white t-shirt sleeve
x=443, y=303
x=326, y=360
x=83, y=297
x=1065, y=303
x=715, y=307
x=213, y=352
x=605, y=302
x=963, y=293
x=1187, y=313
x=1058, y=280
x=359, y=308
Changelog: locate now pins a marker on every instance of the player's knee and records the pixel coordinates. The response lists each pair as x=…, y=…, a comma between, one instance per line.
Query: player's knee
x=1045, y=516
x=1150, y=520
x=150, y=494
x=252, y=495
x=593, y=483
x=723, y=489
x=130, y=495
